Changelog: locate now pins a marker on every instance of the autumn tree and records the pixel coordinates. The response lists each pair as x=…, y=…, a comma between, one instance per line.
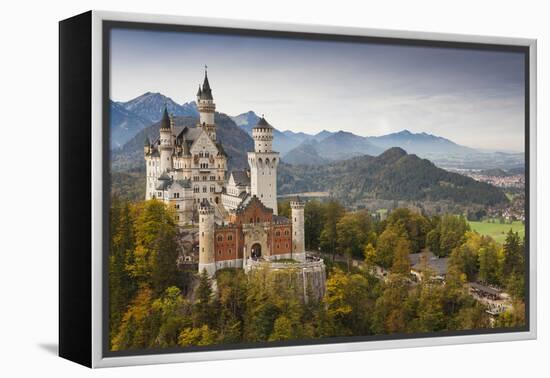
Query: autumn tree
x=369, y=256
x=447, y=235
x=387, y=245
x=156, y=251
x=415, y=225
x=401, y=263
x=353, y=231
x=490, y=263
x=136, y=330
x=198, y=336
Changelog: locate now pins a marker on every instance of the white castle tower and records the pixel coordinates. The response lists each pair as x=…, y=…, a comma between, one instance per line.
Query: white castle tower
x=298, y=237
x=263, y=165
x=206, y=239
x=166, y=143
x=205, y=103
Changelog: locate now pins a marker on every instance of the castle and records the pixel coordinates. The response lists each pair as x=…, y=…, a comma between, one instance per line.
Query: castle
x=237, y=217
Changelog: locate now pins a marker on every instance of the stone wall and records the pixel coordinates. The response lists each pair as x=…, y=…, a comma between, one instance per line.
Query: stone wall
x=309, y=277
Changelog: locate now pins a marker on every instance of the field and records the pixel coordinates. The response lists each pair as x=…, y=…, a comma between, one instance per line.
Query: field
x=498, y=230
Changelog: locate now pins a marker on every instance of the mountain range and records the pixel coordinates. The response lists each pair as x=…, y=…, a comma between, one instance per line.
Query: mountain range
x=129, y=118
x=326, y=146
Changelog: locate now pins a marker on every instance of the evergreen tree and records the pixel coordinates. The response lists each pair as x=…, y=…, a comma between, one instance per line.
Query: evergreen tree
x=332, y=213
x=121, y=285
x=513, y=254
x=203, y=296
x=313, y=224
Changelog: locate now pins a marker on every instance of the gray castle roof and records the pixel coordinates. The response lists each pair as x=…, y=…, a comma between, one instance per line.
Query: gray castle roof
x=206, y=92
x=263, y=124
x=165, y=121
x=241, y=177
x=165, y=182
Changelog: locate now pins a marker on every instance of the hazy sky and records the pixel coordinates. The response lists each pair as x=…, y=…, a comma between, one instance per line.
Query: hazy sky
x=475, y=98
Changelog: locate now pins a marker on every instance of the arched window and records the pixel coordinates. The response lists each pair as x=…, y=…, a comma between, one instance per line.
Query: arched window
x=220, y=238
x=229, y=237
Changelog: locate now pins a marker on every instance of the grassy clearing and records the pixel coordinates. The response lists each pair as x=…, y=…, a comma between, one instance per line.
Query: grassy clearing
x=497, y=230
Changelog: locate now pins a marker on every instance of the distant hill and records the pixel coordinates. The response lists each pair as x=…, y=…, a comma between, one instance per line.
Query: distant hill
x=308, y=153
x=393, y=175
x=337, y=146
x=443, y=152
x=420, y=143
x=235, y=142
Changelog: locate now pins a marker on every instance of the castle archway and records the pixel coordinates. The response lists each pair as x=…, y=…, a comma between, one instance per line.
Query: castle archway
x=256, y=251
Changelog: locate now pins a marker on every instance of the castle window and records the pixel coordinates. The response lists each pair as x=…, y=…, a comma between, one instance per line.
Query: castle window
x=278, y=233
x=220, y=238
x=159, y=194
x=204, y=189
x=220, y=252
x=230, y=237
x=229, y=250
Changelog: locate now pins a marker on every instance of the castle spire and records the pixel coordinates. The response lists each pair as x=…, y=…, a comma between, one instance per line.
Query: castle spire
x=206, y=93
x=165, y=121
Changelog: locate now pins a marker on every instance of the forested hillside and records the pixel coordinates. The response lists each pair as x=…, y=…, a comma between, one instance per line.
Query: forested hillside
x=393, y=175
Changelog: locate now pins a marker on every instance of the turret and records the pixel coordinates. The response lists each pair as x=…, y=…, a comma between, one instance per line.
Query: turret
x=262, y=134
x=298, y=237
x=207, y=108
x=166, y=141
x=206, y=239
x=263, y=164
